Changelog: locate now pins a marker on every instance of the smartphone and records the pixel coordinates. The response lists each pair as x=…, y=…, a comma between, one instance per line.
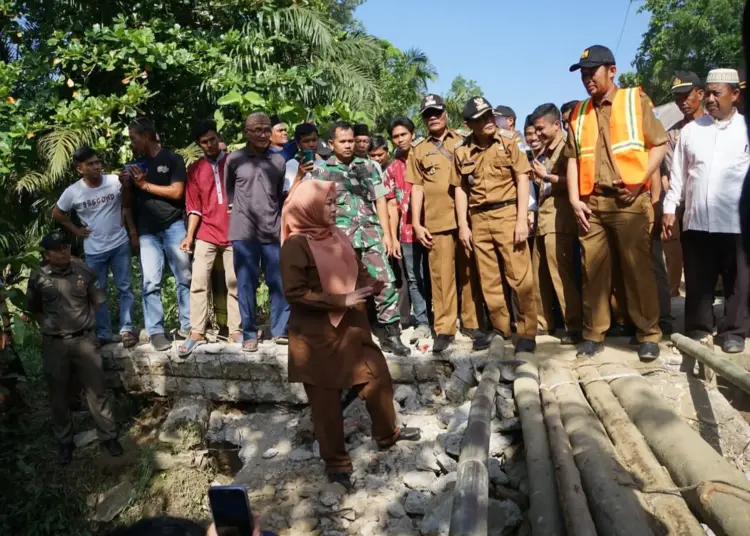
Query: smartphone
x=308, y=156
x=230, y=508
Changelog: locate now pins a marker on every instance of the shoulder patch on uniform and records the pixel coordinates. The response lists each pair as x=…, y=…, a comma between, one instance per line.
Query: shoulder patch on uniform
x=506, y=133
x=417, y=142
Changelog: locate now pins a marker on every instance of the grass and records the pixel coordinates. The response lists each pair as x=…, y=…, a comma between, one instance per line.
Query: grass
x=38, y=497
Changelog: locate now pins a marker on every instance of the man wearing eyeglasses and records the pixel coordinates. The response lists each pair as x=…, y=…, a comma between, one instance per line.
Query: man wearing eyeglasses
x=254, y=179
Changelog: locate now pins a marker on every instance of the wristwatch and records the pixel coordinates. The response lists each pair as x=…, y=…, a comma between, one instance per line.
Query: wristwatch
x=546, y=177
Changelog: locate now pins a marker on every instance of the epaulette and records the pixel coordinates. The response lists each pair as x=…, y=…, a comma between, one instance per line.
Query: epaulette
x=506, y=133
x=417, y=142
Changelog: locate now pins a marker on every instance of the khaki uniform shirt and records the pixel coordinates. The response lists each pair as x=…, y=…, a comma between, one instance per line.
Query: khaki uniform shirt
x=555, y=213
x=66, y=298
x=489, y=174
x=606, y=172
x=428, y=167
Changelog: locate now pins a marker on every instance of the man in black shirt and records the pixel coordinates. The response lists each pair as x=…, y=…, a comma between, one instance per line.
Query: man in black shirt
x=159, y=216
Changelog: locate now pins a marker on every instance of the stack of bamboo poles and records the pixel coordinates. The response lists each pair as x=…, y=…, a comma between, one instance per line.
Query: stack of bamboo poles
x=607, y=455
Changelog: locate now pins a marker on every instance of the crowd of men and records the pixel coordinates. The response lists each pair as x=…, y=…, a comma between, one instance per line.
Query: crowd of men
x=580, y=225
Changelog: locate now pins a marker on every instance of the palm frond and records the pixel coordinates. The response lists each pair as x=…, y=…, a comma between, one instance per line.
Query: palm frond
x=190, y=154
x=350, y=83
x=57, y=148
x=304, y=24
x=34, y=182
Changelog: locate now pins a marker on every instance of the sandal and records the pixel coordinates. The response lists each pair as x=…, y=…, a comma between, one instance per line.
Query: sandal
x=236, y=338
x=187, y=347
x=129, y=339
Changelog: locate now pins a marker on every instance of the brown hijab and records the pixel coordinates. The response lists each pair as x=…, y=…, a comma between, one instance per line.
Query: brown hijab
x=303, y=214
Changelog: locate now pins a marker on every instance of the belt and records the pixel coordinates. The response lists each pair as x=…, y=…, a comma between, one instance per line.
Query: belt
x=73, y=335
x=605, y=191
x=492, y=206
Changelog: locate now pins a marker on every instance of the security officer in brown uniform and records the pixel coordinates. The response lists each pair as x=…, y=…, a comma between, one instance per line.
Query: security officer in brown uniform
x=63, y=296
x=428, y=168
x=556, y=239
x=491, y=177
x=615, y=145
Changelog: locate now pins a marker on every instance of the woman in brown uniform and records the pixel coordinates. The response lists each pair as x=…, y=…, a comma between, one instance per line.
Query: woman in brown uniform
x=330, y=342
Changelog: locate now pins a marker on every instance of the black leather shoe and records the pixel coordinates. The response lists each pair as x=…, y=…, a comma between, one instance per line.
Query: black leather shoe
x=733, y=346
x=480, y=339
x=441, y=343
x=391, y=342
x=113, y=447
x=571, y=337
x=525, y=345
x=65, y=453
x=409, y=434
x=648, y=351
x=345, y=479
x=589, y=349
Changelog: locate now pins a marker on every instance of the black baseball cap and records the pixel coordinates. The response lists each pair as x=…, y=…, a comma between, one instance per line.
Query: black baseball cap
x=504, y=111
x=685, y=82
x=431, y=101
x=476, y=107
x=594, y=56
x=54, y=240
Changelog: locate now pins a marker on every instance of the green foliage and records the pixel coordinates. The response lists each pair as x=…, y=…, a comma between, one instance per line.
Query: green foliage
x=692, y=35
x=74, y=72
x=461, y=91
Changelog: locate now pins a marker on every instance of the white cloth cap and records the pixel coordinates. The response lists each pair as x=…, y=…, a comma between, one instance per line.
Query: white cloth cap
x=723, y=76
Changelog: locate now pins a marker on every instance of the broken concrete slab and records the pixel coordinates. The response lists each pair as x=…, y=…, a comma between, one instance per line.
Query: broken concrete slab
x=114, y=501
x=186, y=423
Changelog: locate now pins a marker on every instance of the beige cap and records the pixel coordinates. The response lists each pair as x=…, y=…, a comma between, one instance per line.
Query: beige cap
x=723, y=76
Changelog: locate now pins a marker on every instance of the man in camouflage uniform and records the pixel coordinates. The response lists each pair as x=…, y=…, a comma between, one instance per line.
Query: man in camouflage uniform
x=362, y=215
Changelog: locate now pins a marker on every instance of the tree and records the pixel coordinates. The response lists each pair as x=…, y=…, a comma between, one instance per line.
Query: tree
x=692, y=35
x=403, y=82
x=74, y=72
x=461, y=90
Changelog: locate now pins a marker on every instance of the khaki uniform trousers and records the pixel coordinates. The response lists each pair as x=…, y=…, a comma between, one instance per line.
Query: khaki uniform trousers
x=451, y=265
x=497, y=255
x=60, y=359
x=328, y=419
x=673, y=255
x=626, y=232
x=554, y=276
x=204, y=257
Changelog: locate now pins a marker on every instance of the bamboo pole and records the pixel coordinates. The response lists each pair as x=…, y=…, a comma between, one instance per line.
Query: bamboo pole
x=544, y=508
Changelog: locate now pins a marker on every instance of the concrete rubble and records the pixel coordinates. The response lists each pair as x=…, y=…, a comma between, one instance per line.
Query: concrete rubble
x=405, y=490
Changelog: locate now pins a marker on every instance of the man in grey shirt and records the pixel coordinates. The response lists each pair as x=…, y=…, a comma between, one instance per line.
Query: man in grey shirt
x=254, y=179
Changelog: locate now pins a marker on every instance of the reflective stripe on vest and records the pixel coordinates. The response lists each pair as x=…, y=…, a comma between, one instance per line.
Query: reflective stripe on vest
x=626, y=136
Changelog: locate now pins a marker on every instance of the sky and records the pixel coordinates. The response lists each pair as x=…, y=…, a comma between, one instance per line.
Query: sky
x=518, y=51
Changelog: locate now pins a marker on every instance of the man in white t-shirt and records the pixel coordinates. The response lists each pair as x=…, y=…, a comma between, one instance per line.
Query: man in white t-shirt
x=96, y=200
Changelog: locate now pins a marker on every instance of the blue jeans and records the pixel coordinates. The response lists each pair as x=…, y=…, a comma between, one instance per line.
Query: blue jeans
x=154, y=247
x=249, y=257
x=418, y=279
x=118, y=261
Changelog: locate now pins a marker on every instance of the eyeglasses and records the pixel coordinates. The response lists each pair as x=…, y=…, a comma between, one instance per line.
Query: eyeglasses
x=259, y=131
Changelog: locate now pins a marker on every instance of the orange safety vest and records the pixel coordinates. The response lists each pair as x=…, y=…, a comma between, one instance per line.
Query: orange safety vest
x=625, y=134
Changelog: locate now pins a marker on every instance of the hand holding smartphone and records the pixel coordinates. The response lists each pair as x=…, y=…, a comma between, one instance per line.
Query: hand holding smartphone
x=230, y=508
